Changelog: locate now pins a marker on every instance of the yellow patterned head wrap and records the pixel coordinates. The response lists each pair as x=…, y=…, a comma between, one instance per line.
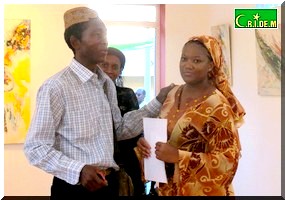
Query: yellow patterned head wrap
x=219, y=77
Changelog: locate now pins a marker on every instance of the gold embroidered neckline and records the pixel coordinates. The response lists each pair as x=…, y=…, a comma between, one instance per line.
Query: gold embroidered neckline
x=190, y=101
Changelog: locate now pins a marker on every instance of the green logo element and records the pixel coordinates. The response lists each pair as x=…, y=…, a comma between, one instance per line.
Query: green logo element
x=255, y=18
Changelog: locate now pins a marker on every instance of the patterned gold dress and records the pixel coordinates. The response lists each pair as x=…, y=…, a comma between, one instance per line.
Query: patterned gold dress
x=205, y=133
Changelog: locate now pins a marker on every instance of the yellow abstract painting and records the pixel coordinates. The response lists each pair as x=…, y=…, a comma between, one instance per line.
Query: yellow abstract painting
x=16, y=80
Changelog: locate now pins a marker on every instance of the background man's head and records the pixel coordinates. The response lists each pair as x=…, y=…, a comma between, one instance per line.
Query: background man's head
x=140, y=93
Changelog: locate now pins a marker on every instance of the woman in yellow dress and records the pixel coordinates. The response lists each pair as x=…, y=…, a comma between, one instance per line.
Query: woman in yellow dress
x=203, y=148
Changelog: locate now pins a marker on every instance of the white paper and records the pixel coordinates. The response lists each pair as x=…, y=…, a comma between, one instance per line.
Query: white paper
x=154, y=131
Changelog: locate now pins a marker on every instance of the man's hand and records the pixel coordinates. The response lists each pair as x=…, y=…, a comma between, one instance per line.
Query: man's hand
x=163, y=93
x=92, y=178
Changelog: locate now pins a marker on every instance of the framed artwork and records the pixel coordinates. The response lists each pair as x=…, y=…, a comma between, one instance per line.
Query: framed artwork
x=16, y=80
x=222, y=34
x=268, y=55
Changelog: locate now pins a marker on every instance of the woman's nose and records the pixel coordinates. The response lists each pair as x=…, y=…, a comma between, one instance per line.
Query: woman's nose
x=189, y=65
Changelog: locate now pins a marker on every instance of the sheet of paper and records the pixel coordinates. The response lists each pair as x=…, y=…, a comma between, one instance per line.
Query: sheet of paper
x=154, y=131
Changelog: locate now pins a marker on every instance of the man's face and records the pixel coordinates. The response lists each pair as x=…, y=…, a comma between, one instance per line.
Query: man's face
x=92, y=48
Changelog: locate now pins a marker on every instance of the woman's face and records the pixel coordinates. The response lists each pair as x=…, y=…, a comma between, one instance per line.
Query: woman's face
x=111, y=66
x=195, y=64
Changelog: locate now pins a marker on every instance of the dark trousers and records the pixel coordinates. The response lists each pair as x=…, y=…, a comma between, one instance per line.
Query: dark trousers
x=61, y=189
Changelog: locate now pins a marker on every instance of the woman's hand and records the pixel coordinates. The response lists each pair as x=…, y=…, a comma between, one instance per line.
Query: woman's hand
x=143, y=147
x=166, y=152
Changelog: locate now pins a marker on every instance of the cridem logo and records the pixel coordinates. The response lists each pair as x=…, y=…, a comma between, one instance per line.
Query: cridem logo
x=255, y=18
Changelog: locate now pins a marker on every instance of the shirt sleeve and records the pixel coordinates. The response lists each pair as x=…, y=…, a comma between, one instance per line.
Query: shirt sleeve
x=132, y=123
x=45, y=122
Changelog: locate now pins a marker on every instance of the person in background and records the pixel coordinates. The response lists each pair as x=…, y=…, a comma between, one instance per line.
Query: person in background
x=76, y=117
x=140, y=93
x=113, y=66
x=203, y=114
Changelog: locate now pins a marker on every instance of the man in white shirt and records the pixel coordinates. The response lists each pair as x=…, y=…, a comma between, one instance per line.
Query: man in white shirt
x=71, y=134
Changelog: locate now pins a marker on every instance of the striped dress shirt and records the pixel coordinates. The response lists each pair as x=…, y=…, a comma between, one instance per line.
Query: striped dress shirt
x=72, y=123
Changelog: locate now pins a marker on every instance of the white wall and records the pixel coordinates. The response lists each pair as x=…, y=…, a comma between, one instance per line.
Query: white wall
x=260, y=167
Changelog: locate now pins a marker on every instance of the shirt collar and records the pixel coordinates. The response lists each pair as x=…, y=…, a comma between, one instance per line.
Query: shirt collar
x=82, y=72
x=85, y=74
x=101, y=74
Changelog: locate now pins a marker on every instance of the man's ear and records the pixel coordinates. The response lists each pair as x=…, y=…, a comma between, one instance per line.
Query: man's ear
x=74, y=42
